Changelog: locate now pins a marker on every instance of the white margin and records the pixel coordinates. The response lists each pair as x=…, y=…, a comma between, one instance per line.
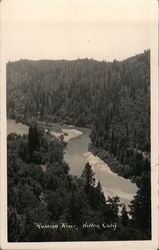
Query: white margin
x=149, y=244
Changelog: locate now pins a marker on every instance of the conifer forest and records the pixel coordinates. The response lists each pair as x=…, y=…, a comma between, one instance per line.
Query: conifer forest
x=112, y=99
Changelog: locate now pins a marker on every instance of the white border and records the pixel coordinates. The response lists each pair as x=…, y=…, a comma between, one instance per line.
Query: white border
x=150, y=244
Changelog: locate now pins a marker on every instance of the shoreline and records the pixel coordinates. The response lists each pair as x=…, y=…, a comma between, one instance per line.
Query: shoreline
x=67, y=134
x=101, y=168
x=70, y=132
x=114, y=165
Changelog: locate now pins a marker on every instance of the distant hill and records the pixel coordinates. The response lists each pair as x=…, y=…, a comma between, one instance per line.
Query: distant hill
x=111, y=98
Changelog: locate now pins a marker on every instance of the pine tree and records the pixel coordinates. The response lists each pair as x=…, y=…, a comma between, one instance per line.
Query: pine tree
x=99, y=198
x=88, y=177
x=140, y=208
x=33, y=139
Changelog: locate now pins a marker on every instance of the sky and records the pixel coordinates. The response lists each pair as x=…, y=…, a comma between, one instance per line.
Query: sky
x=71, y=29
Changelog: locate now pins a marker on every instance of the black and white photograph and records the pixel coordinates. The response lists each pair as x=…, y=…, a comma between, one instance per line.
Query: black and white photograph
x=78, y=130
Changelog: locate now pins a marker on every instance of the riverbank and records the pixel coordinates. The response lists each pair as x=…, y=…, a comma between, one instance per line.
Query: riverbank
x=18, y=128
x=67, y=134
x=61, y=131
x=76, y=154
x=48, y=191
x=116, y=166
x=112, y=184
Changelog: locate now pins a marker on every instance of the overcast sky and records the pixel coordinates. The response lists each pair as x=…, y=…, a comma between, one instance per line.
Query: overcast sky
x=68, y=29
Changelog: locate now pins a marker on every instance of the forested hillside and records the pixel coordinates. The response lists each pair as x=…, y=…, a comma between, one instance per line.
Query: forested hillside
x=45, y=203
x=76, y=91
x=111, y=98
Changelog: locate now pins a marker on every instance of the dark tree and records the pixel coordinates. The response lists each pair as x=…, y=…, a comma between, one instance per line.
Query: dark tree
x=33, y=139
x=88, y=177
x=141, y=205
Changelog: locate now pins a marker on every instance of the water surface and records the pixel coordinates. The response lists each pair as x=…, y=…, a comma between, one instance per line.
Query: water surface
x=76, y=155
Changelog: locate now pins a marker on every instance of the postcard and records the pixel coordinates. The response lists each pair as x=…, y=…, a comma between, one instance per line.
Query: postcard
x=79, y=124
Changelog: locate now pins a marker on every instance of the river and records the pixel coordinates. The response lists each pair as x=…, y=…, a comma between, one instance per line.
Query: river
x=76, y=155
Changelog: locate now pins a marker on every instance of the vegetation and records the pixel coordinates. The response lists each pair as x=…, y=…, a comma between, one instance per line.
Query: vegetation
x=75, y=91
x=113, y=99
x=43, y=203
